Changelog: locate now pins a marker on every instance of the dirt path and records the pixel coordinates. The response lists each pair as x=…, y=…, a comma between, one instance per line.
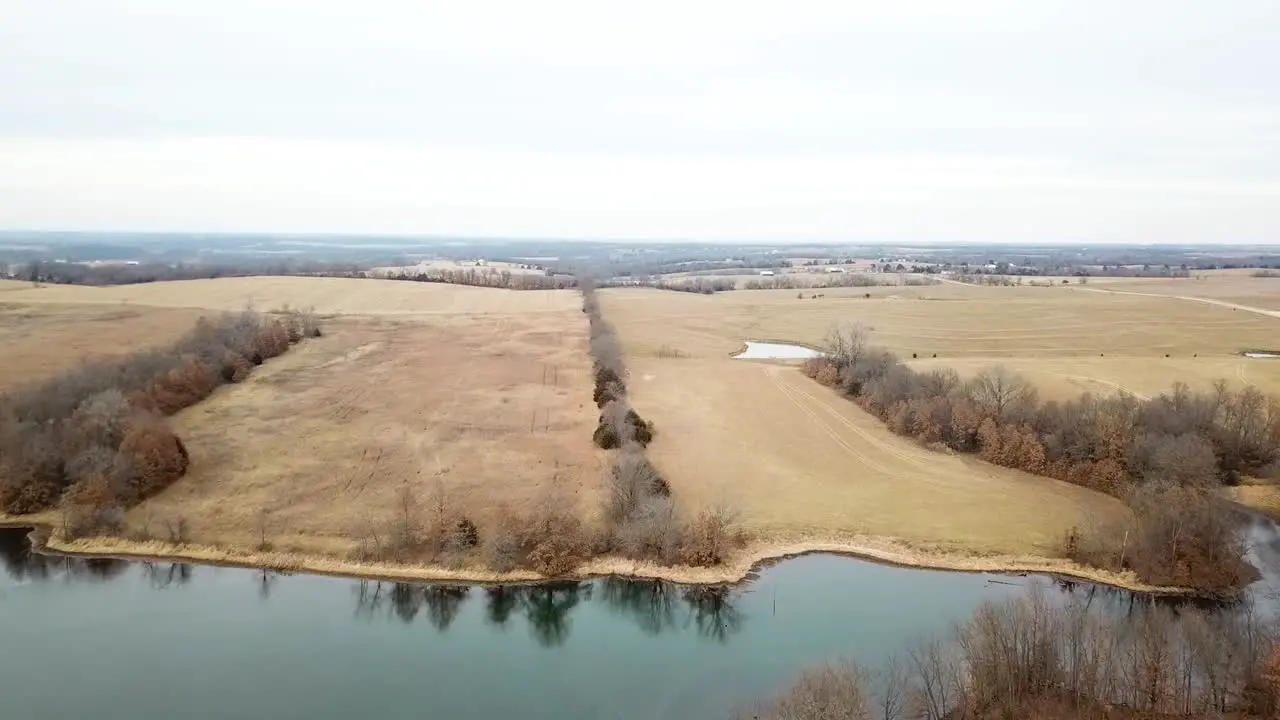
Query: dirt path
x=1192, y=298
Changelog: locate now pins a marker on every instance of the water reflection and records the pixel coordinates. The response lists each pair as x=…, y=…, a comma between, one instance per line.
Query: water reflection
x=405, y=600
x=22, y=565
x=714, y=614
x=653, y=605
x=499, y=602
x=163, y=575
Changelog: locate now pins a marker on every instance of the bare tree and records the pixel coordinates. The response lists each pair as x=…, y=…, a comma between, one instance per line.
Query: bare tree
x=827, y=692
x=998, y=391
x=847, y=343
x=891, y=687
x=937, y=687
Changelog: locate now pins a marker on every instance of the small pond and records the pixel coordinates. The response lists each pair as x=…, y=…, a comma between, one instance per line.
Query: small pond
x=776, y=351
x=112, y=638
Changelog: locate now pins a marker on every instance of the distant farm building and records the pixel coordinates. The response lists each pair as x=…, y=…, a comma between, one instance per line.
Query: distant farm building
x=766, y=273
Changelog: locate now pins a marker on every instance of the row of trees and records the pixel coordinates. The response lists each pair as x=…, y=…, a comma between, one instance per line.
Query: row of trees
x=1162, y=455
x=641, y=519
x=1029, y=658
x=832, y=280
x=484, y=277
x=71, y=273
x=94, y=438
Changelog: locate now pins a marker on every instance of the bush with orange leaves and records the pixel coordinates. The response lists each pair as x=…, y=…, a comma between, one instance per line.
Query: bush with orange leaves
x=154, y=456
x=73, y=426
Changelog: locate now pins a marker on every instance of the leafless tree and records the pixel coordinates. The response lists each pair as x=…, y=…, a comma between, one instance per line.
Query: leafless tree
x=847, y=343
x=835, y=691
x=997, y=392
x=891, y=688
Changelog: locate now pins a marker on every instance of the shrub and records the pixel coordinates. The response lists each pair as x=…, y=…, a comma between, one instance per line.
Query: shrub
x=89, y=507
x=156, y=457
x=834, y=691
x=708, y=541
x=632, y=479
x=75, y=425
x=502, y=550
x=556, y=542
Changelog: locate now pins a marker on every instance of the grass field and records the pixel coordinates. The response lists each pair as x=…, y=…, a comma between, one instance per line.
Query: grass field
x=482, y=393
x=485, y=393
x=340, y=296
x=492, y=411
x=795, y=460
x=38, y=341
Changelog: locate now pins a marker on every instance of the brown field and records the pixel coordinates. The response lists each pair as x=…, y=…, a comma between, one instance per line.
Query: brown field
x=1232, y=286
x=485, y=393
x=322, y=439
x=38, y=341
x=482, y=393
x=795, y=460
x=340, y=296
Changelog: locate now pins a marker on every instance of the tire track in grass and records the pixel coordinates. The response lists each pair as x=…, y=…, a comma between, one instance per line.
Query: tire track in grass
x=874, y=441
x=788, y=392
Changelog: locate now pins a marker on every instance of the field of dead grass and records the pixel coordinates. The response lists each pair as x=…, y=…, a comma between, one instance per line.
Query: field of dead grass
x=444, y=386
x=798, y=462
x=313, y=450
x=1232, y=286
x=482, y=394
x=37, y=341
x=343, y=296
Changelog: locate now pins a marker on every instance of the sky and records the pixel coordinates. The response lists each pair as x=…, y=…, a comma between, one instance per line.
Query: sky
x=983, y=120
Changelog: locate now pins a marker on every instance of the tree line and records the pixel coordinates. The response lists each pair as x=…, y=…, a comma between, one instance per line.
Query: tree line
x=710, y=284
x=639, y=518
x=1029, y=658
x=483, y=277
x=93, y=440
x=72, y=273
x=1163, y=456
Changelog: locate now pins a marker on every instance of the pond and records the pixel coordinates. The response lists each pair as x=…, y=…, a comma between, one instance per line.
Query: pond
x=96, y=638
x=776, y=351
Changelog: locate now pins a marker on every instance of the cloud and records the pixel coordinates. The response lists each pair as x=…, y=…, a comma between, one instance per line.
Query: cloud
x=1088, y=121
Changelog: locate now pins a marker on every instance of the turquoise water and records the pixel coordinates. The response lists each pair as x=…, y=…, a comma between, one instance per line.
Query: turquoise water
x=114, y=639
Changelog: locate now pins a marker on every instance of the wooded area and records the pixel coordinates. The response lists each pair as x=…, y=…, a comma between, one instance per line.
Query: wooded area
x=94, y=439
x=1163, y=455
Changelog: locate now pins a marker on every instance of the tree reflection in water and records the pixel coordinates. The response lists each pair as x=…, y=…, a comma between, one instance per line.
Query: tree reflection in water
x=651, y=603
x=500, y=602
x=712, y=611
x=23, y=565
x=547, y=607
x=163, y=575
x=405, y=600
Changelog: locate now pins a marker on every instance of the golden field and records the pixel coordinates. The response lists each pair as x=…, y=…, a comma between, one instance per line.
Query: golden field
x=485, y=394
x=797, y=461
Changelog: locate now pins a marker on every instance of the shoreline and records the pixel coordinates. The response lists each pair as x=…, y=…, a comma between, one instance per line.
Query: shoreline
x=742, y=568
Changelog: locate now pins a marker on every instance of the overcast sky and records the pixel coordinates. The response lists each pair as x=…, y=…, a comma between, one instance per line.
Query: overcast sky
x=1033, y=120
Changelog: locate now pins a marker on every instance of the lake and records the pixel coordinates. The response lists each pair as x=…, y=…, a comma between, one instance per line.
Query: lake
x=111, y=638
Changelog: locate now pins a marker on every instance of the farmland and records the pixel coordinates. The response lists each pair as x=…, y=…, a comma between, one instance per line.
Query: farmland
x=797, y=461
x=477, y=398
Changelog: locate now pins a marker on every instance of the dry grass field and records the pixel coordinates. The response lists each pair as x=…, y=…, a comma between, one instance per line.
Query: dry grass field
x=492, y=411
x=327, y=296
x=484, y=394
x=795, y=460
x=38, y=341
x=1239, y=287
